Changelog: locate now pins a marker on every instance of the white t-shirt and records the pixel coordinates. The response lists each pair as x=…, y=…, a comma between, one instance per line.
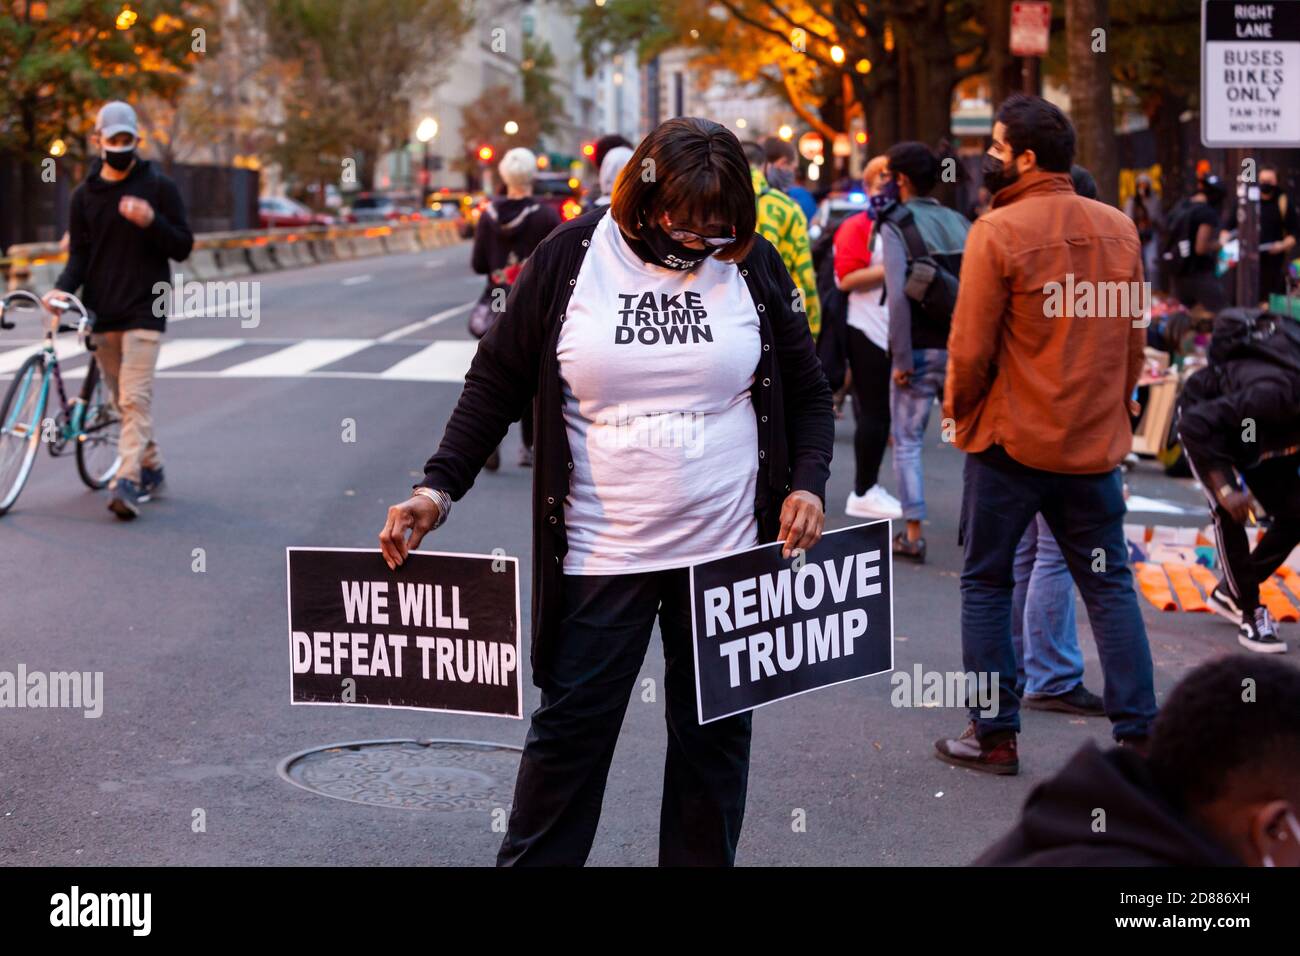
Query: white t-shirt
x=656, y=366
x=867, y=310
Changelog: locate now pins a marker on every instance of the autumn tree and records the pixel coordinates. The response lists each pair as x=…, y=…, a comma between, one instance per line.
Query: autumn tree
x=61, y=61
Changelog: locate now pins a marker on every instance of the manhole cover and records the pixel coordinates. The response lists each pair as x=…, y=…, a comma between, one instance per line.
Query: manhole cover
x=439, y=775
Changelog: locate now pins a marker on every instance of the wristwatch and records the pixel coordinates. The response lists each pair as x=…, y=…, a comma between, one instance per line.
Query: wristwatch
x=439, y=498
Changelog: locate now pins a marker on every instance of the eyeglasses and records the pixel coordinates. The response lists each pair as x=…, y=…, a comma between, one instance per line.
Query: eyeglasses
x=685, y=235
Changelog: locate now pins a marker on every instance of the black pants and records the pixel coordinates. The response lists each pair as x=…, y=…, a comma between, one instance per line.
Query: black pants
x=604, y=635
x=870, y=367
x=1276, y=484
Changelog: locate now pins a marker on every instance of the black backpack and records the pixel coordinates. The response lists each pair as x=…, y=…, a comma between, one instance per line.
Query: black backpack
x=931, y=285
x=1254, y=334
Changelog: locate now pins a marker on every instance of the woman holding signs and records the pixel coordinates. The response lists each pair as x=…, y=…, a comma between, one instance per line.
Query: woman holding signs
x=681, y=413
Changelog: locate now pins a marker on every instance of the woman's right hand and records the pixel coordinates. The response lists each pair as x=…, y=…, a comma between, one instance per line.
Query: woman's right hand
x=417, y=516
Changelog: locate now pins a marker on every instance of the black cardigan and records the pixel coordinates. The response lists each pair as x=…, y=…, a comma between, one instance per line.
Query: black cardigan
x=516, y=363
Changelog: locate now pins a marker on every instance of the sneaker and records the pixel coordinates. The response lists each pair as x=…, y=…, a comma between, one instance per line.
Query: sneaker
x=1258, y=633
x=996, y=754
x=151, y=483
x=1079, y=700
x=1222, y=603
x=525, y=457
x=125, y=499
x=912, y=550
x=876, y=503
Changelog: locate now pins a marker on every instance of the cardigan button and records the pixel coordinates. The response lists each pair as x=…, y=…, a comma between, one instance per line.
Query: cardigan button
x=766, y=346
x=552, y=519
x=744, y=272
x=767, y=382
x=761, y=454
x=573, y=282
x=586, y=242
x=765, y=418
x=570, y=466
x=550, y=501
x=760, y=307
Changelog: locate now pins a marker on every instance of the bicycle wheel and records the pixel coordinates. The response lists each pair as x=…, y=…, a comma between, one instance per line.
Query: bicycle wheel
x=20, y=428
x=97, y=457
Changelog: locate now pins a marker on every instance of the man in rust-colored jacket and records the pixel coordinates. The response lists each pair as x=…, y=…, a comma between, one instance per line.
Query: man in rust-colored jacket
x=1044, y=353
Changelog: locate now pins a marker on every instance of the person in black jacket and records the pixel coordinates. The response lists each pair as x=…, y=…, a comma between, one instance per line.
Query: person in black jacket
x=1238, y=415
x=508, y=232
x=681, y=413
x=1221, y=786
x=126, y=220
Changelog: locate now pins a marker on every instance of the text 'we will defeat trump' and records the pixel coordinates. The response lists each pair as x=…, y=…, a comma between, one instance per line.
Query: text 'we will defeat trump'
x=773, y=596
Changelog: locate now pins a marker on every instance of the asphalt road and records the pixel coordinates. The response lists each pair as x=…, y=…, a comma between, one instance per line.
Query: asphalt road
x=197, y=713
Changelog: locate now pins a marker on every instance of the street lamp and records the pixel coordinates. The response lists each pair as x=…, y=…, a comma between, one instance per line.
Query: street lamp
x=785, y=132
x=425, y=133
x=511, y=128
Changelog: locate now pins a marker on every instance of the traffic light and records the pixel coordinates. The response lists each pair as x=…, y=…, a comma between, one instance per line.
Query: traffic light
x=589, y=150
x=485, y=153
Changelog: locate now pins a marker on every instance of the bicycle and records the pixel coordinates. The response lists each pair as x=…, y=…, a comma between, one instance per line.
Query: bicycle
x=90, y=421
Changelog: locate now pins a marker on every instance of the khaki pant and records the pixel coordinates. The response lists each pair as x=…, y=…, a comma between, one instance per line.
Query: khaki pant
x=127, y=360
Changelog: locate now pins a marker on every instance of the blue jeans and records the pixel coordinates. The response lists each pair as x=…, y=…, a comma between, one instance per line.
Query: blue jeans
x=1085, y=513
x=909, y=408
x=1048, y=659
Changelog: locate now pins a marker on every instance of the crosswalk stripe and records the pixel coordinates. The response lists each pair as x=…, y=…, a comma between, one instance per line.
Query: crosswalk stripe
x=184, y=351
x=64, y=348
x=444, y=361
x=298, y=359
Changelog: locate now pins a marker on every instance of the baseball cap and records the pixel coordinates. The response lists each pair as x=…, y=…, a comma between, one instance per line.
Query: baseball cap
x=116, y=117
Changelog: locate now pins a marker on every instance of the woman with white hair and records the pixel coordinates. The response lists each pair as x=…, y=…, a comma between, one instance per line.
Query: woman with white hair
x=509, y=229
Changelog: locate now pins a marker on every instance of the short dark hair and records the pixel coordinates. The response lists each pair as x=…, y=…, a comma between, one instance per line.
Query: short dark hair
x=1211, y=737
x=755, y=155
x=605, y=144
x=697, y=166
x=775, y=148
x=1084, y=184
x=1033, y=123
x=917, y=162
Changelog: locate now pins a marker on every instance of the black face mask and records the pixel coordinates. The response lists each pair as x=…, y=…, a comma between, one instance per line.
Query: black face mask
x=119, y=159
x=670, y=253
x=1267, y=193
x=996, y=175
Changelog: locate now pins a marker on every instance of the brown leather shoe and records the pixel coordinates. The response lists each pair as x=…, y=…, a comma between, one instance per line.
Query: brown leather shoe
x=996, y=754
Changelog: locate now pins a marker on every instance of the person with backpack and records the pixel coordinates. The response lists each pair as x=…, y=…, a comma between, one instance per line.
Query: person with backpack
x=922, y=245
x=1192, y=246
x=860, y=272
x=507, y=233
x=1039, y=394
x=1239, y=423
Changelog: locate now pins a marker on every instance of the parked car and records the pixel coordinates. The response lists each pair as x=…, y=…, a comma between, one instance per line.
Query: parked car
x=378, y=207
x=274, y=212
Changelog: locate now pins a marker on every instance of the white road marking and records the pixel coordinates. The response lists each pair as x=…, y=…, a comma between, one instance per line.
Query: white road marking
x=425, y=323
x=65, y=347
x=297, y=359
x=445, y=361
x=1156, y=506
x=183, y=351
x=356, y=280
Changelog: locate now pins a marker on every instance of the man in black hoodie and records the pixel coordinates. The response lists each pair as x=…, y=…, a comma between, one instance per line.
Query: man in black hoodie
x=126, y=220
x=1221, y=786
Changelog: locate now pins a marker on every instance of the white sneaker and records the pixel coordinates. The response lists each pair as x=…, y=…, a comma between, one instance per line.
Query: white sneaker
x=876, y=503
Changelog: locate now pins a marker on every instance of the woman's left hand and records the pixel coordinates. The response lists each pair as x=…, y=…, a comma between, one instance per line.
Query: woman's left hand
x=802, y=520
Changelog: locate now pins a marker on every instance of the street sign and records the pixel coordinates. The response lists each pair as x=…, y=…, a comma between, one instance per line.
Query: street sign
x=1031, y=28
x=1250, y=74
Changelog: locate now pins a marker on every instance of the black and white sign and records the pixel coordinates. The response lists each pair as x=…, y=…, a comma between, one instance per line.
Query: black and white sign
x=767, y=627
x=1250, y=74
x=439, y=633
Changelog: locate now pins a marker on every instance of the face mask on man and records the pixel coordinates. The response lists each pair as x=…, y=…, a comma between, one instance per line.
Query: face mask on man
x=670, y=253
x=119, y=158
x=997, y=175
x=780, y=177
x=1267, y=191
x=878, y=203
